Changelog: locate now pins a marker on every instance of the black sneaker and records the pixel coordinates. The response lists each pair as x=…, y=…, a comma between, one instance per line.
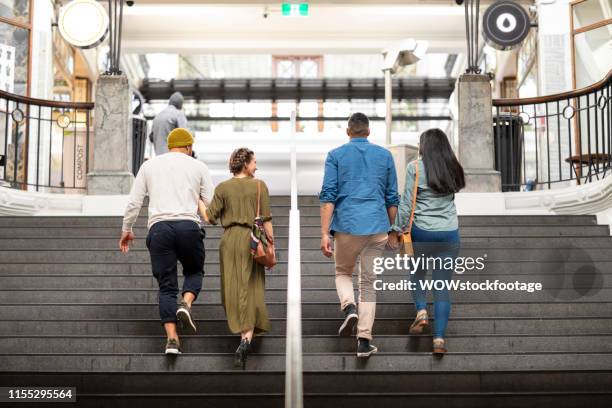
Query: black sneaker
x=365, y=349
x=350, y=320
x=173, y=347
x=183, y=314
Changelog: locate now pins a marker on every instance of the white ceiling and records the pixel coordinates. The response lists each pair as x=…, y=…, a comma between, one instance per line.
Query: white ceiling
x=331, y=28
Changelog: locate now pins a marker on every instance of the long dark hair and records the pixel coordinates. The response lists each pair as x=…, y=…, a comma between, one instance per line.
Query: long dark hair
x=444, y=172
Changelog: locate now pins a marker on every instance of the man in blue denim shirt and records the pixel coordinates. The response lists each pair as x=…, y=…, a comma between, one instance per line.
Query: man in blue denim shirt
x=359, y=197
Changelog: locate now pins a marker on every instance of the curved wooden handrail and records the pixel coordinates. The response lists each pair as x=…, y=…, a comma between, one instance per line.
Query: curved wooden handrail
x=26, y=100
x=555, y=97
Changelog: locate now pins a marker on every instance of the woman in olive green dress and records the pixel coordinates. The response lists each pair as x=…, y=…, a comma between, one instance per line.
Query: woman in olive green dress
x=242, y=279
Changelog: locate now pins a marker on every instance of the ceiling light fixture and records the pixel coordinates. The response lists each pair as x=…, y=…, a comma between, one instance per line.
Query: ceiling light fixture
x=83, y=23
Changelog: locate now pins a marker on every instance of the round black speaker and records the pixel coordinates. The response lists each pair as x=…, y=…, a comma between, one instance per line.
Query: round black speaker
x=505, y=24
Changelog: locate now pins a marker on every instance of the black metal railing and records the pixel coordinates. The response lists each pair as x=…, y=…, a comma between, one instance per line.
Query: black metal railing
x=554, y=141
x=44, y=145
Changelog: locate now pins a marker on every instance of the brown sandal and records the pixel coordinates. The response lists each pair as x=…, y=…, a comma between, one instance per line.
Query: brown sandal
x=420, y=323
x=439, y=346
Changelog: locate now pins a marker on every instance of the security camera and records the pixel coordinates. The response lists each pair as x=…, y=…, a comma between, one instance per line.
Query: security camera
x=266, y=13
x=459, y=2
x=129, y=3
x=402, y=53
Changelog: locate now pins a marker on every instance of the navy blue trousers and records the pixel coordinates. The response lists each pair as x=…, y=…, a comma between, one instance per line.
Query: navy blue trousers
x=169, y=242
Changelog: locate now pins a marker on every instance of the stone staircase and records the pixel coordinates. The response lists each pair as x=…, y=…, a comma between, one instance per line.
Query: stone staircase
x=76, y=312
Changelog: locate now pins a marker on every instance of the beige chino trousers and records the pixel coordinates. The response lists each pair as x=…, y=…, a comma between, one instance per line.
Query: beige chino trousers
x=348, y=250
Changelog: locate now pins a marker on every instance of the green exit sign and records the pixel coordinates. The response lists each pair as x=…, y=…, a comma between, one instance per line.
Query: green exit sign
x=294, y=9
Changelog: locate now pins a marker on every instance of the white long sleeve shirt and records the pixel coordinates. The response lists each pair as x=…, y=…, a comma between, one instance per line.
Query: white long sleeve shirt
x=174, y=182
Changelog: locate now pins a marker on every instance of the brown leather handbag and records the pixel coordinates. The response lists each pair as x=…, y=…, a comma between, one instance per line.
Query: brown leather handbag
x=262, y=245
x=407, y=236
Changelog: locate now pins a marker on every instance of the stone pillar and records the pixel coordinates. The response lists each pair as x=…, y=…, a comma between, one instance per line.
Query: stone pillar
x=402, y=155
x=111, y=170
x=476, y=149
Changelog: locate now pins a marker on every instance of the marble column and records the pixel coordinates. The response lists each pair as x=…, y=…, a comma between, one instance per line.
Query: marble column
x=475, y=141
x=110, y=172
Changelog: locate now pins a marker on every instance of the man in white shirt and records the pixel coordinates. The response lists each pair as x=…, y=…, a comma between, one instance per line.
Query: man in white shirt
x=174, y=182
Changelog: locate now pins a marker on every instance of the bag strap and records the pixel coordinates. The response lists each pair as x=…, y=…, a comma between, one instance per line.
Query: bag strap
x=414, y=196
x=258, y=197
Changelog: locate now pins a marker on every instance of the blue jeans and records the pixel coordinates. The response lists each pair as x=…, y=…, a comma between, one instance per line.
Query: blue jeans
x=169, y=242
x=442, y=244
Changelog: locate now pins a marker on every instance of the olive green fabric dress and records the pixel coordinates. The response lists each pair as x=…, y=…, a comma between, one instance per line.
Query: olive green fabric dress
x=242, y=279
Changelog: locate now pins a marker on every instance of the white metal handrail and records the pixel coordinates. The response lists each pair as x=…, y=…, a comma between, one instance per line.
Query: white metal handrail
x=293, y=356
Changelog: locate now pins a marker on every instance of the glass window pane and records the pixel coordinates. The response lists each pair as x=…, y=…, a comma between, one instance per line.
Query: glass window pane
x=529, y=87
x=13, y=59
x=593, y=55
x=18, y=10
x=590, y=12
x=253, y=109
x=283, y=109
x=337, y=109
x=285, y=69
x=220, y=109
x=309, y=69
x=308, y=109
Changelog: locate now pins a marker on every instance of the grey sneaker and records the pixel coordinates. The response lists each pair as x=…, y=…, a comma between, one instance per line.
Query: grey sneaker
x=365, y=349
x=350, y=321
x=183, y=314
x=173, y=347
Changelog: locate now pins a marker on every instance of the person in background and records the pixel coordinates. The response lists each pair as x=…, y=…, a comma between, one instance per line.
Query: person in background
x=166, y=121
x=174, y=182
x=358, y=205
x=234, y=205
x=435, y=228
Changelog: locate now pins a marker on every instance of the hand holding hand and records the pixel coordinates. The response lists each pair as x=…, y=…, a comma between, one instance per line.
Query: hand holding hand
x=393, y=240
x=202, y=209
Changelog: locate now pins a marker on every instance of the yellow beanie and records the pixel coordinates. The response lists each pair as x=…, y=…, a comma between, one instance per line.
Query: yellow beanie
x=179, y=137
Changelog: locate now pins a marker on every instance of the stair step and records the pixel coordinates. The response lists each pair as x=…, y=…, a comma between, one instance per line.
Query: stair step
x=561, y=399
x=306, y=213
x=210, y=296
x=315, y=326
x=564, y=293
x=567, y=265
x=391, y=362
x=311, y=243
x=278, y=281
x=141, y=255
x=310, y=344
x=513, y=230
x=404, y=310
x=208, y=381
